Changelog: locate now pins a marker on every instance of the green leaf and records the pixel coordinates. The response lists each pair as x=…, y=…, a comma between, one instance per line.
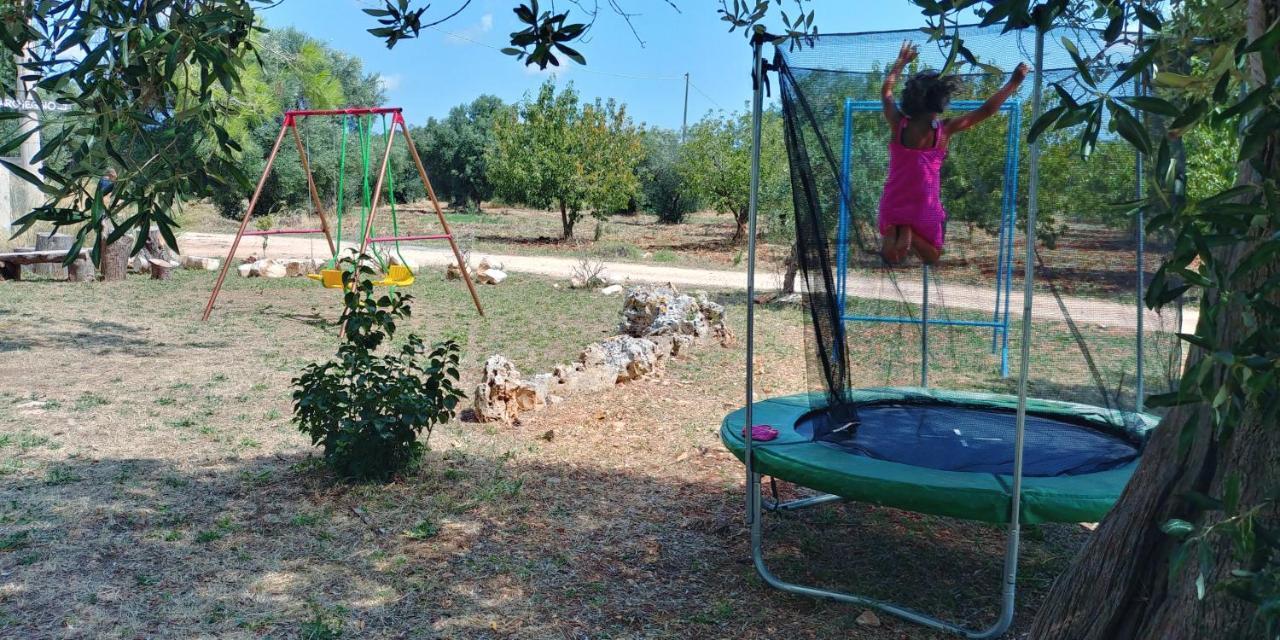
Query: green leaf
x=1151, y=104
x=1172, y=80
x=1178, y=528
x=1045, y=120
x=1129, y=128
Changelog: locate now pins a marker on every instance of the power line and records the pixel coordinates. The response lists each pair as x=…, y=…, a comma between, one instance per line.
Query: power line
x=584, y=69
x=704, y=94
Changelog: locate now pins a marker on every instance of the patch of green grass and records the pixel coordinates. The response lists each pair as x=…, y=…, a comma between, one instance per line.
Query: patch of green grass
x=255, y=478
x=323, y=625
x=424, y=530
x=665, y=255
x=143, y=580
x=15, y=541
x=24, y=441
x=60, y=475
x=88, y=401
x=306, y=519
x=208, y=535
x=172, y=535
x=181, y=423
x=166, y=401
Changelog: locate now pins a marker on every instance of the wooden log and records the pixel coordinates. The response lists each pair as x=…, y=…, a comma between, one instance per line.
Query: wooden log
x=161, y=269
x=51, y=242
x=36, y=257
x=82, y=270
x=114, y=256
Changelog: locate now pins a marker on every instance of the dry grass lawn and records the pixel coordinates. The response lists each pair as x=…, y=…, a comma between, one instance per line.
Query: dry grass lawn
x=151, y=485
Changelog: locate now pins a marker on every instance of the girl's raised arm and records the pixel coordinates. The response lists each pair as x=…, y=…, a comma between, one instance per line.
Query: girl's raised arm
x=890, y=107
x=992, y=105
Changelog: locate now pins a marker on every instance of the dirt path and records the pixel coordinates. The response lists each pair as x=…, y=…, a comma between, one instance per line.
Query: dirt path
x=1082, y=310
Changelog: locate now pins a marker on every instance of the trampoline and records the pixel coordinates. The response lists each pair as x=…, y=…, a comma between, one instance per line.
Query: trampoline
x=950, y=453
x=923, y=394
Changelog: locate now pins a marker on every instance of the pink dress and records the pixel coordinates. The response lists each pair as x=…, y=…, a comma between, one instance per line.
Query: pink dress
x=913, y=190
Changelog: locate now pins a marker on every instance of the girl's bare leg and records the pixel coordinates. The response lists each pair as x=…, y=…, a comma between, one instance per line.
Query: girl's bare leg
x=906, y=238
x=889, y=244
x=928, y=253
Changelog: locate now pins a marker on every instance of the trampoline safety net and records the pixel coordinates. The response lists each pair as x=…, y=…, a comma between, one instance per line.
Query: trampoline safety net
x=1092, y=340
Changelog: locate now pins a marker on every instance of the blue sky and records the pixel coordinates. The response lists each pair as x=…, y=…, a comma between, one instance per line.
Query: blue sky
x=429, y=75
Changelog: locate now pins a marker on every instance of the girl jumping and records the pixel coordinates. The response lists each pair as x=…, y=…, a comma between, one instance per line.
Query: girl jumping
x=911, y=214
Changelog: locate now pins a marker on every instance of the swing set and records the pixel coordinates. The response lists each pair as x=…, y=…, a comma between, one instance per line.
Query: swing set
x=394, y=274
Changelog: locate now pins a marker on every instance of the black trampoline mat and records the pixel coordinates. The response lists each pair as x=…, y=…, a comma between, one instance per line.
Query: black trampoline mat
x=972, y=439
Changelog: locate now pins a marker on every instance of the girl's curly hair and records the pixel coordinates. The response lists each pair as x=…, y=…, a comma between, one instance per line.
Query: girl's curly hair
x=928, y=92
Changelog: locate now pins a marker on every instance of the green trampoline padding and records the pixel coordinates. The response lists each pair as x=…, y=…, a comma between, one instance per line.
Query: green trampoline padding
x=796, y=457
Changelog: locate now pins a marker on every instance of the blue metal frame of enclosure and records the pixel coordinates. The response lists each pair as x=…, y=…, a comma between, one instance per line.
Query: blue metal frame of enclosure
x=999, y=323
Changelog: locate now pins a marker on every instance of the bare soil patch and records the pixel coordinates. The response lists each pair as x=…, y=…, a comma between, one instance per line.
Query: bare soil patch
x=151, y=485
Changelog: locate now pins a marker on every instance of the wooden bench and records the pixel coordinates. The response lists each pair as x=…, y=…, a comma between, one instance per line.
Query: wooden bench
x=11, y=263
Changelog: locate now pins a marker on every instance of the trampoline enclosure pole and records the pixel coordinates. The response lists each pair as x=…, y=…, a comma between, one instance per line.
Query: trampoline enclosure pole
x=1024, y=367
x=1141, y=232
x=757, y=106
x=846, y=197
x=924, y=329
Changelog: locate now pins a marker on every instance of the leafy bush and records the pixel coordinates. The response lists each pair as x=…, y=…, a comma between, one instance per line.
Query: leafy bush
x=365, y=409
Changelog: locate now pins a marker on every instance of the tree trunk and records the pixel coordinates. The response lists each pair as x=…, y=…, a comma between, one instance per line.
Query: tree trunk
x=160, y=269
x=50, y=242
x=114, y=257
x=1120, y=587
x=566, y=221
x=82, y=270
x=792, y=268
x=739, y=231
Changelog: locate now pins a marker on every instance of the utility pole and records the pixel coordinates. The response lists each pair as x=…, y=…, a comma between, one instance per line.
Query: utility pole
x=684, y=124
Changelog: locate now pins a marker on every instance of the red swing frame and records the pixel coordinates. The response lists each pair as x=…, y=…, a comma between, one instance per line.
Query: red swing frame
x=291, y=124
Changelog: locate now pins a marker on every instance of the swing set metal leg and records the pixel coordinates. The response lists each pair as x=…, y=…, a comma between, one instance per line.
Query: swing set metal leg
x=244, y=223
x=435, y=204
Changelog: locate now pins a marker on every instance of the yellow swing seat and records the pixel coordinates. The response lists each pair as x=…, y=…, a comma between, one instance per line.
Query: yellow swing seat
x=330, y=278
x=397, y=275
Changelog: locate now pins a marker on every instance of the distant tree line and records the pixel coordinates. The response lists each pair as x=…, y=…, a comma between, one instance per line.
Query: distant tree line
x=576, y=158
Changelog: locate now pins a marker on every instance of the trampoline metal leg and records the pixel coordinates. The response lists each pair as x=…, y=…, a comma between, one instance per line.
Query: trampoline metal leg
x=802, y=503
x=1008, y=593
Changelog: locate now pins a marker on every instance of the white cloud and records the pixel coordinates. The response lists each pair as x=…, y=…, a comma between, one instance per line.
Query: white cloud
x=389, y=83
x=486, y=22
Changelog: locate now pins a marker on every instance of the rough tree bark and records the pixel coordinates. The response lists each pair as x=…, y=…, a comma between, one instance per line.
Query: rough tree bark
x=791, y=268
x=566, y=221
x=114, y=257
x=1120, y=587
x=740, y=225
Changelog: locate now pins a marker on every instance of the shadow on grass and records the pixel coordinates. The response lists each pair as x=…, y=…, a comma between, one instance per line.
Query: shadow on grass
x=98, y=337
x=471, y=546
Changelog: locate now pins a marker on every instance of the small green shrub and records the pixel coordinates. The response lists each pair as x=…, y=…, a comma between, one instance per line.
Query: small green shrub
x=365, y=409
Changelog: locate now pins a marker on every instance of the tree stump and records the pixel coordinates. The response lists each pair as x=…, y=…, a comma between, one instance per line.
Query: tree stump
x=161, y=269
x=115, y=256
x=82, y=271
x=50, y=242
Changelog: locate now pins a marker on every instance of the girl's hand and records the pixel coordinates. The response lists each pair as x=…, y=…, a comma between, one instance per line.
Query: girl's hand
x=906, y=54
x=1020, y=73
